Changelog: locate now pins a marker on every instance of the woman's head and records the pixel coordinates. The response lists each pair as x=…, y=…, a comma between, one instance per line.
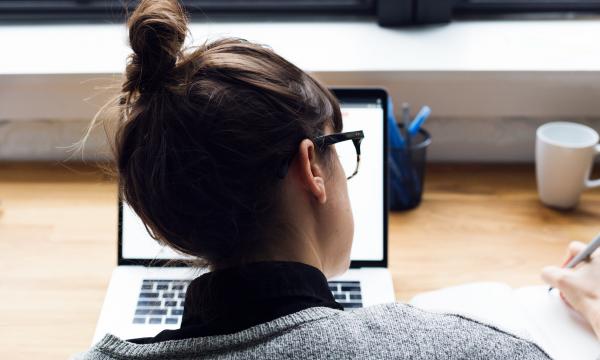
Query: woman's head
x=213, y=146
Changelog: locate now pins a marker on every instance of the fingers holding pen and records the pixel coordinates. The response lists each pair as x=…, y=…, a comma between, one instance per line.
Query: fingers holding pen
x=561, y=277
x=574, y=248
x=558, y=277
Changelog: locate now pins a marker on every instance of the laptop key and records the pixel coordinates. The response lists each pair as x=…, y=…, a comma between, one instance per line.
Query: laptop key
x=352, y=305
x=139, y=320
x=148, y=295
x=355, y=297
x=171, y=321
x=142, y=311
x=350, y=288
x=339, y=296
x=162, y=287
x=155, y=321
x=158, y=311
x=168, y=295
x=148, y=303
x=147, y=287
x=176, y=311
x=171, y=303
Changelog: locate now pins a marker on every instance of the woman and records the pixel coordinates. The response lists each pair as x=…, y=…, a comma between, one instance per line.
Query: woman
x=224, y=152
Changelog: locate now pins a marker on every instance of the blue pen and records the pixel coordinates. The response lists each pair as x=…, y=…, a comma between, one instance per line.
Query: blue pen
x=396, y=140
x=416, y=124
x=405, y=123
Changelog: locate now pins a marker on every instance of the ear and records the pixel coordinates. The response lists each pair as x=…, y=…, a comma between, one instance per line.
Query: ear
x=310, y=171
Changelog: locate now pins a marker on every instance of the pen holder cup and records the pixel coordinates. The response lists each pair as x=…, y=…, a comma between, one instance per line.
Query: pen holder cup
x=407, y=172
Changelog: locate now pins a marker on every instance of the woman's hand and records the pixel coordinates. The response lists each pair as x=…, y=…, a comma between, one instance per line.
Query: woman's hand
x=579, y=287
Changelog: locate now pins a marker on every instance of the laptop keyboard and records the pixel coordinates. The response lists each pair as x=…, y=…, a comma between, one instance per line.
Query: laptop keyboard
x=162, y=301
x=347, y=293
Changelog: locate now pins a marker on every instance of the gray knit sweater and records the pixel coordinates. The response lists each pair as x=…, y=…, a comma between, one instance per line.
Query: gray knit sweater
x=392, y=331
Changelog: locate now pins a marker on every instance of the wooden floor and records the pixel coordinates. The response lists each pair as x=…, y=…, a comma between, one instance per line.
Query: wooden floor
x=58, y=244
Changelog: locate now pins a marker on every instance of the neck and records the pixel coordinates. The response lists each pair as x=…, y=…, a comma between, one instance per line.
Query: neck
x=300, y=249
x=306, y=255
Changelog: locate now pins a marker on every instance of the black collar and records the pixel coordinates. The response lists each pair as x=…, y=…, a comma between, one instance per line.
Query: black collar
x=230, y=300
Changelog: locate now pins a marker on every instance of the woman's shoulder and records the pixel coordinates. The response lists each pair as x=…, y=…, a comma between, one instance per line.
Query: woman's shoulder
x=397, y=331
x=444, y=332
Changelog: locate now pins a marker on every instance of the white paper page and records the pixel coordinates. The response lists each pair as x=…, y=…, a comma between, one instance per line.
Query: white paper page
x=529, y=312
x=488, y=302
x=556, y=328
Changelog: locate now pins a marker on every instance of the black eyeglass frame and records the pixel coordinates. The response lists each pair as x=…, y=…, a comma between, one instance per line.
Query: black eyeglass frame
x=324, y=141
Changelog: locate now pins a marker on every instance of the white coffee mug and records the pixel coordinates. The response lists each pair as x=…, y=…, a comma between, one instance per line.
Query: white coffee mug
x=564, y=155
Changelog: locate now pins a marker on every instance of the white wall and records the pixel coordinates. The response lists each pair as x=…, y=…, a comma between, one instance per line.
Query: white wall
x=489, y=83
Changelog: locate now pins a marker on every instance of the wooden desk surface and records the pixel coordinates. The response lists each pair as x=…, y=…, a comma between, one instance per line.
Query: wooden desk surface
x=58, y=244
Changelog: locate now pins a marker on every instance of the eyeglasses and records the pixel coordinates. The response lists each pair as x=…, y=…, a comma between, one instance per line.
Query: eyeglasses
x=348, y=153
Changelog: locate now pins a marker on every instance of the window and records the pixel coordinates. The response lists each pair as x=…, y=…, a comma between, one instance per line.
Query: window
x=399, y=12
x=528, y=5
x=388, y=12
x=114, y=9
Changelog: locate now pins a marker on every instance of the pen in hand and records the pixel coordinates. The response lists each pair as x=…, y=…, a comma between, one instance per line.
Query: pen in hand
x=584, y=255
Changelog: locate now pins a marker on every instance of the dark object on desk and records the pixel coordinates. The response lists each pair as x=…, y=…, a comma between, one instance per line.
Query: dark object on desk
x=407, y=172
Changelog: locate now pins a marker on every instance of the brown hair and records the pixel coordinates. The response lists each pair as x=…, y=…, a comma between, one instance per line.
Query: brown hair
x=203, y=130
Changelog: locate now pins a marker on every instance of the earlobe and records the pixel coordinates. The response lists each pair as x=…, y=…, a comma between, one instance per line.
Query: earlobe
x=322, y=196
x=311, y=172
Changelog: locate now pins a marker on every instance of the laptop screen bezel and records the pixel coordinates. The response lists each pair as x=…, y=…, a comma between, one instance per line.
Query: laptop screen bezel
x=343, y=95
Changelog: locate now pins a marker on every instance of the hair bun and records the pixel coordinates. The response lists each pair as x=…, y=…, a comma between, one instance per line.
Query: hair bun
x=157, y=30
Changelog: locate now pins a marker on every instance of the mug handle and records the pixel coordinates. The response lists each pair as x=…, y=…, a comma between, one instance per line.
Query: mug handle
x=596, y=182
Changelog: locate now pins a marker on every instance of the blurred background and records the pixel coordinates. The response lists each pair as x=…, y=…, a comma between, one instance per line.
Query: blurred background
x=491, y=70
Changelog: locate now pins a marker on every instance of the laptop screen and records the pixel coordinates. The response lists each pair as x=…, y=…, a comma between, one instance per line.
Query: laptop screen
x=361, y=110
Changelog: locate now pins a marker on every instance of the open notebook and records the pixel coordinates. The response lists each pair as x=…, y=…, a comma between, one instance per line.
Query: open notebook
x=529, y=312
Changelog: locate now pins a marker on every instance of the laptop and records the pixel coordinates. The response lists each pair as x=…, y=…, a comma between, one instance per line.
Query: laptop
x=146, y=293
